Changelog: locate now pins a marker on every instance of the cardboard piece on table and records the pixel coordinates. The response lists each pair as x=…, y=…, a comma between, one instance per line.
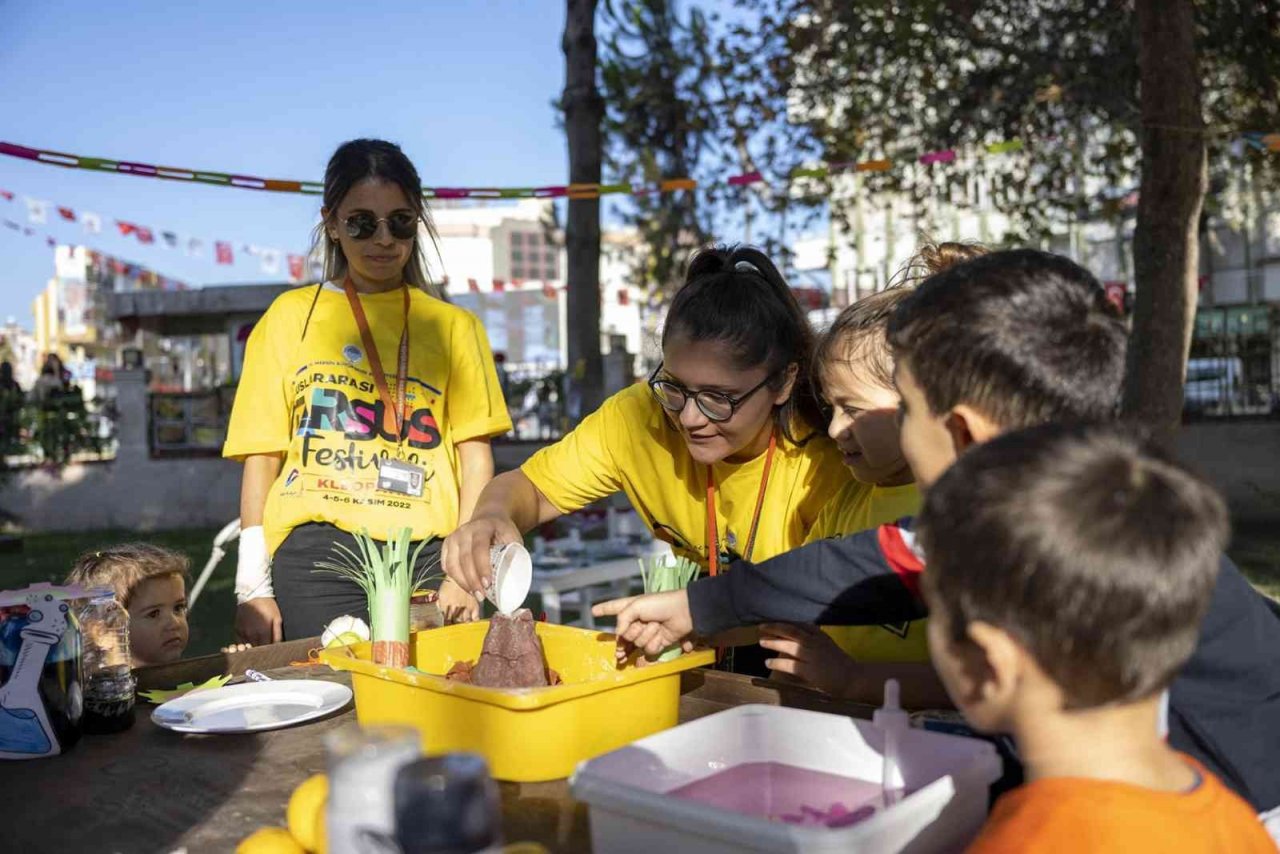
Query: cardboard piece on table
x=196, y=670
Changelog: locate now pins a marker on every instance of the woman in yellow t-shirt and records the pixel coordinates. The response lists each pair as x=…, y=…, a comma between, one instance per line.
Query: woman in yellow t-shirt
x=366, y=402
x=720, y=452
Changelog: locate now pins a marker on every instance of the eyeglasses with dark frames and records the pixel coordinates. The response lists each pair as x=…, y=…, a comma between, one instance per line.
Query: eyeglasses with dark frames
x=716, y=405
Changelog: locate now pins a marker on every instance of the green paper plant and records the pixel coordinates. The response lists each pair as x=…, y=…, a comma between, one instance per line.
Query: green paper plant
x=385, y=571
x=665, y=573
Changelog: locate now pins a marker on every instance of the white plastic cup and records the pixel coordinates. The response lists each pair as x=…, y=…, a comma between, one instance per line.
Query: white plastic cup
x=511, y=579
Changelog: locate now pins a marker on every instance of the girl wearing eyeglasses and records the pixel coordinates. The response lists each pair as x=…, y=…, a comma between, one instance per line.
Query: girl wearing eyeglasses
x=722, y=451
x=365, y=402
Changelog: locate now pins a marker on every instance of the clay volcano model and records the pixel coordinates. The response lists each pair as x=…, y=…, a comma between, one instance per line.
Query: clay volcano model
x=511, y=657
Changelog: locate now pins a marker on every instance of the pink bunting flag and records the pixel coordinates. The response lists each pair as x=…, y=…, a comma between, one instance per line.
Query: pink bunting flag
x=296, y=268
x=145, y=235
x=748, y=178
x=932, y=157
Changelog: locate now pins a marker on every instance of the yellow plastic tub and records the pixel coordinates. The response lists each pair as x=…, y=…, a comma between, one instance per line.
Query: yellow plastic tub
x=530, y=734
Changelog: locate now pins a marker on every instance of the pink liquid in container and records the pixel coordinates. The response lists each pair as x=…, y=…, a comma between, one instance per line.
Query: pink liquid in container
x=787, y=793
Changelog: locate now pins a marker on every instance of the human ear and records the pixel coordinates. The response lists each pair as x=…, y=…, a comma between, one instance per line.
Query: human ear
x=326, y=218
x=784, y=393
x=997, y=670
x=967, y=427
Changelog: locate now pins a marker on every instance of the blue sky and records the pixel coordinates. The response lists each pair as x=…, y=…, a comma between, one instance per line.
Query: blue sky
x=266, y=89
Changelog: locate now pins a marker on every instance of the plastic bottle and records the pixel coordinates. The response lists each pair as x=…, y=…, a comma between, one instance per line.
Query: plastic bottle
x=106, y=669
x=447, y=805
x=894, y=722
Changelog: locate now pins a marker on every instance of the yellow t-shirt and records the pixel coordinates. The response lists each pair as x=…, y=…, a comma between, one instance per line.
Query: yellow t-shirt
x=628, y=445
x=313, y=399
x=858, y=507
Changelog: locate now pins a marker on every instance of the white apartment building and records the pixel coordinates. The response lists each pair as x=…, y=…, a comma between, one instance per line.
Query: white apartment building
x=505, y=262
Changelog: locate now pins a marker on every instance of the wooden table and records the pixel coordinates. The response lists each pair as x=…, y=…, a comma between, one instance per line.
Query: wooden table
x=151, y=790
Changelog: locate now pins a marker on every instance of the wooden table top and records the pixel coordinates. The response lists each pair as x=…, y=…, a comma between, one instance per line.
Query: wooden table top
x=150, y=789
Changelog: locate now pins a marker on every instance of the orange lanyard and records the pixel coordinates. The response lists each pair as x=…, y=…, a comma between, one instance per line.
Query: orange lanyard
x=713, y=537
x=393, y=411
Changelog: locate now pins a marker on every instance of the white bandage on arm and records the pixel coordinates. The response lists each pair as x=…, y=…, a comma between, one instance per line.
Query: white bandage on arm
x=253, y=567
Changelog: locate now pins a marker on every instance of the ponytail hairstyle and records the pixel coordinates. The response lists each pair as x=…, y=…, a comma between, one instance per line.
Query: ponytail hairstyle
x=353, y=162
x=735, y=295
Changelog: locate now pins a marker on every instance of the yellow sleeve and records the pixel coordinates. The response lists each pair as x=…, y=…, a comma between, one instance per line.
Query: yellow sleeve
x=825, y=525
x=260, y=413
x=475, y=407
x=581, y=467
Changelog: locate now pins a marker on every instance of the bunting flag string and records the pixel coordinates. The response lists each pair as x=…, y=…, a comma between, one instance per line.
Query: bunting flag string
x=145, y=276
x=269, y=259
x=555, y=191
x=1258, y=140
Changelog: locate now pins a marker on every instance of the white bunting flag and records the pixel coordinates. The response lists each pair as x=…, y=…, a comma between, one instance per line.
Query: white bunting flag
x=37, y=211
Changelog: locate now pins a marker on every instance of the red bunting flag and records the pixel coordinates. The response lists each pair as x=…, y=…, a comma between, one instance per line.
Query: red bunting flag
x=473, y=286
x=67, y=213
x=117, y=266
x=8, y=197
x=297, y=267
x=499, y=286
x=223, y=250
x=126, y=228
x=145, y=235
x=624, y=298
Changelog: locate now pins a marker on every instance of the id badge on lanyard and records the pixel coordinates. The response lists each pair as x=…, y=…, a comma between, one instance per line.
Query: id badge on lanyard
x=403, y=478
x=394, y=475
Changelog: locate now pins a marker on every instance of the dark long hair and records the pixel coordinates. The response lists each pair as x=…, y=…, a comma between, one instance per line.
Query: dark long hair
x=353, y=162
x=736, y=296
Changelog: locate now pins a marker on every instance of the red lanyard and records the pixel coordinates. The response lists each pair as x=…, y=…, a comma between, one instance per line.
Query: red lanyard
x=393, y=411
x=713, y=538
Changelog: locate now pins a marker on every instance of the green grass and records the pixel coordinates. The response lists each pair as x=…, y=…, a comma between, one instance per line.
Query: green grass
x=49, y=557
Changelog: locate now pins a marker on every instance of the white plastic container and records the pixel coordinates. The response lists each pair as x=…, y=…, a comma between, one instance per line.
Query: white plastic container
x=626, y=790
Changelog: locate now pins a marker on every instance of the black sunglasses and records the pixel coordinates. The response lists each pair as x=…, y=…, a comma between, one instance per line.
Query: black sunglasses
x=716, y=405
x=362, y=225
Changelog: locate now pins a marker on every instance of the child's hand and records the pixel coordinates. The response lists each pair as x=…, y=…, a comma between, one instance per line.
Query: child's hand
x=809, y=656
x=237, y=647
x=457, y=605
x=650, y=623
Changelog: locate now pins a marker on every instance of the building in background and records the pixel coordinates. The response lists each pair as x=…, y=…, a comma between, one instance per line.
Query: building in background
x=19, y=346
x=505, y=262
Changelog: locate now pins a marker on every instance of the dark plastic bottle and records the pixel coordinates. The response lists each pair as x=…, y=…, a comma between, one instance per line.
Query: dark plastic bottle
x=447, y=805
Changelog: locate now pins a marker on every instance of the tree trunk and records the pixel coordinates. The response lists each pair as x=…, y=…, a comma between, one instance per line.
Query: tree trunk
x=1165, y=242
x=583, y=113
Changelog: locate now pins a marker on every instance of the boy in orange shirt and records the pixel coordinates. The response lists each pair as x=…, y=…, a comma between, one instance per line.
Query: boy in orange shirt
x=1069, y=571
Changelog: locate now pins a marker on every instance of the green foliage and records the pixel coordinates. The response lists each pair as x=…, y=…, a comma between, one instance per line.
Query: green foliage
x=656, y=74
x=849, y=80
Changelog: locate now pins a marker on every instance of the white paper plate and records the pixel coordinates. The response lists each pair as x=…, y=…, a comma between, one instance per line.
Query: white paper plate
x=252, y=707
